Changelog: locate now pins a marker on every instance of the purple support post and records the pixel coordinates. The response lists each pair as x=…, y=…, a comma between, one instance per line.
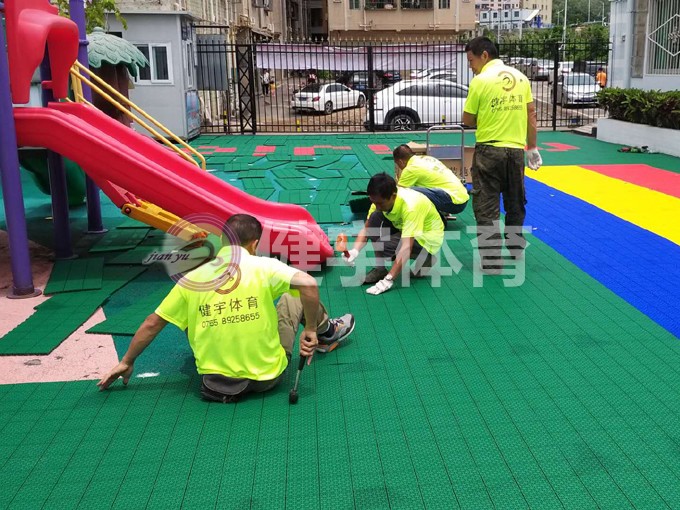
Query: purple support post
x=22, y=285
x=58, y=188
x=94, y=210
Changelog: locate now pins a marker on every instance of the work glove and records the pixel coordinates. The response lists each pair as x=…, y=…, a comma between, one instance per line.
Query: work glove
x=382, y=286
x=534, y=160
x=350, y=257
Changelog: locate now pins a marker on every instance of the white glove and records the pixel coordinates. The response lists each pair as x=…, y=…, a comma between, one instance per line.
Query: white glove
x=352, y=256
x=382, y=286
x=534, y=160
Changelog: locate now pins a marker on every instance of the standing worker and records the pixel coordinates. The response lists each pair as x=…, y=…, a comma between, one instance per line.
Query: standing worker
x=601, y=77
x=500, y=105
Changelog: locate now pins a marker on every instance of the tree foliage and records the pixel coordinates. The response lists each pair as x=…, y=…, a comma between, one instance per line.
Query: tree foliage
x=577, y=11
x=96, y=12
x=584, y=43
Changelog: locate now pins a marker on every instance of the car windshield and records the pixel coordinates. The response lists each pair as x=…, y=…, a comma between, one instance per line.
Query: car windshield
x=315, y=87
x=546, y=63
x=579, y=79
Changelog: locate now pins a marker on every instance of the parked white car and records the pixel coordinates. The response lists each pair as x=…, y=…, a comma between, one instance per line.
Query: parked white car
x=563, y=68
x=410, y=104
x=451, y=75
x=424, y=73
x=576, y=88
x=327, y=98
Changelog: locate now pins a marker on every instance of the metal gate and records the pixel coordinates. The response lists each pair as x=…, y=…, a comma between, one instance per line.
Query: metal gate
x=380, y=86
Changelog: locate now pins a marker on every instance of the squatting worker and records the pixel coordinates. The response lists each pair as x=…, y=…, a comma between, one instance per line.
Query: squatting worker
x=402, y=224
x=432, y=178
x=501, y=106
x=240, y=341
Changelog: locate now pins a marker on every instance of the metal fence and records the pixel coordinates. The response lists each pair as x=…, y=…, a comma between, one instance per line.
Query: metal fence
x=348, y=87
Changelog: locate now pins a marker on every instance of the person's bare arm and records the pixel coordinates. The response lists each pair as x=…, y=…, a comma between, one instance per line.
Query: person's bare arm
x=469, y=120
x=403, y=256
x=531, y=126
x=146, y=333
x=309, y=295
x=361, y=240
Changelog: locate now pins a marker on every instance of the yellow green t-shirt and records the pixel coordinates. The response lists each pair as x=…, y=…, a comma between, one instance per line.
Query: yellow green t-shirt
x=499, y=96
x=429, y=172
x=415, y=216
x=232, y=330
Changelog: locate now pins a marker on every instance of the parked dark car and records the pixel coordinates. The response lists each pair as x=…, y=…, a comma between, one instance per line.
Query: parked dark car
x=390, y=77
x=358, y=80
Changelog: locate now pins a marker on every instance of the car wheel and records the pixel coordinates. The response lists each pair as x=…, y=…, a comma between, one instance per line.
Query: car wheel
x=328, y=107
x=402, y=122
x=361, y=102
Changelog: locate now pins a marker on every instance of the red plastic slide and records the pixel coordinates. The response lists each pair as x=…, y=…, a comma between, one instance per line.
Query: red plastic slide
x=109, y=151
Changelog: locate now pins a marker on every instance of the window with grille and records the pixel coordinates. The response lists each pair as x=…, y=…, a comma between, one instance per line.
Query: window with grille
x=380, y=4
x=355, y=4
x=417, y=4
x=444, y=4
x=663, y=34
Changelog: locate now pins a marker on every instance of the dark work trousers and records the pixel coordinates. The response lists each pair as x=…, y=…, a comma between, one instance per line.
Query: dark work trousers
x=441, y=200
x=386, y=239
x=498, y=171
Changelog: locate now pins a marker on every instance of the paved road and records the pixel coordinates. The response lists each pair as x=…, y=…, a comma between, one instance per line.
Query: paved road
x=275, y=115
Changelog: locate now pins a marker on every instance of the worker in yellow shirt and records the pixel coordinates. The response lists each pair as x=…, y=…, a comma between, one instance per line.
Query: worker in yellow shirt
x=241, y=342
x=500, y=105
x=601, y=77
x=432, y=178
x=402, y=224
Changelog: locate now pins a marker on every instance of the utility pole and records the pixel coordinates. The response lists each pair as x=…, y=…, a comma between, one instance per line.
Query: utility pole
x=564, y=26
x=588, y=11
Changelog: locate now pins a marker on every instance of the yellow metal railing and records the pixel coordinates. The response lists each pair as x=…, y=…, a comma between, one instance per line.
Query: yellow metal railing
x=116, y=98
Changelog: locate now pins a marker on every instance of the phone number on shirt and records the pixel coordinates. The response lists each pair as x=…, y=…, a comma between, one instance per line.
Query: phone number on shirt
x=232, y=319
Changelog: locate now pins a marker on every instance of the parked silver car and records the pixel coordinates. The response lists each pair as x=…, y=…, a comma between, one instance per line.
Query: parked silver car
x=540, y=69
x=577, y=88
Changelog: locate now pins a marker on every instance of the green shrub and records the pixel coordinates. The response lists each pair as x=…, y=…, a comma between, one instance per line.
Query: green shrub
x=652, y=107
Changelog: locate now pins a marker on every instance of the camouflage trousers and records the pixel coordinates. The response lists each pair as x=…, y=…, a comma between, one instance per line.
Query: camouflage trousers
x=496, y=172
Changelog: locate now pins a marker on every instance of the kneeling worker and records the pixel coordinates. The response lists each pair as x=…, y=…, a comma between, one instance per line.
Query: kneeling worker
x=401, y=224
x=240, y=341
x=432, y=178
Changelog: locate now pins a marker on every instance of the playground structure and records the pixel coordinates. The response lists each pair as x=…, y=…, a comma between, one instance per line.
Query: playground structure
x=143, y=178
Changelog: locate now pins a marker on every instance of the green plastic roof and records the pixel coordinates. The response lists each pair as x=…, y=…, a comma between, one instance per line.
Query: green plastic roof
x=108, y=49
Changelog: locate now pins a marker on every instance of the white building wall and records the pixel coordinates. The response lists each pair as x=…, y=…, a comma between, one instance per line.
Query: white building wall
x=621, y=34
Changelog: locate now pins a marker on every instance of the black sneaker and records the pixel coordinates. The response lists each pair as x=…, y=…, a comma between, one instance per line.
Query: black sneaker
x=375, y=275
x=342, y=327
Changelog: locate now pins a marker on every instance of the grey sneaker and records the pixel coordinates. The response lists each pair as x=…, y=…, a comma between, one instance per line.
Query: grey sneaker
x=343, y=326
x=375, y=275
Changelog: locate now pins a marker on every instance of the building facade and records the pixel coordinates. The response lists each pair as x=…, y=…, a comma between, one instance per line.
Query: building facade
x=247, y=20
x=399, y=19
x=513, y=15
x=645, y=38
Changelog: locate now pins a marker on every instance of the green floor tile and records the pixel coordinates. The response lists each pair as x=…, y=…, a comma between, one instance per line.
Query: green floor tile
x=119, y=240
x=77, y=274
x=55, y=319
x=326, y=213
x=552, y=394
